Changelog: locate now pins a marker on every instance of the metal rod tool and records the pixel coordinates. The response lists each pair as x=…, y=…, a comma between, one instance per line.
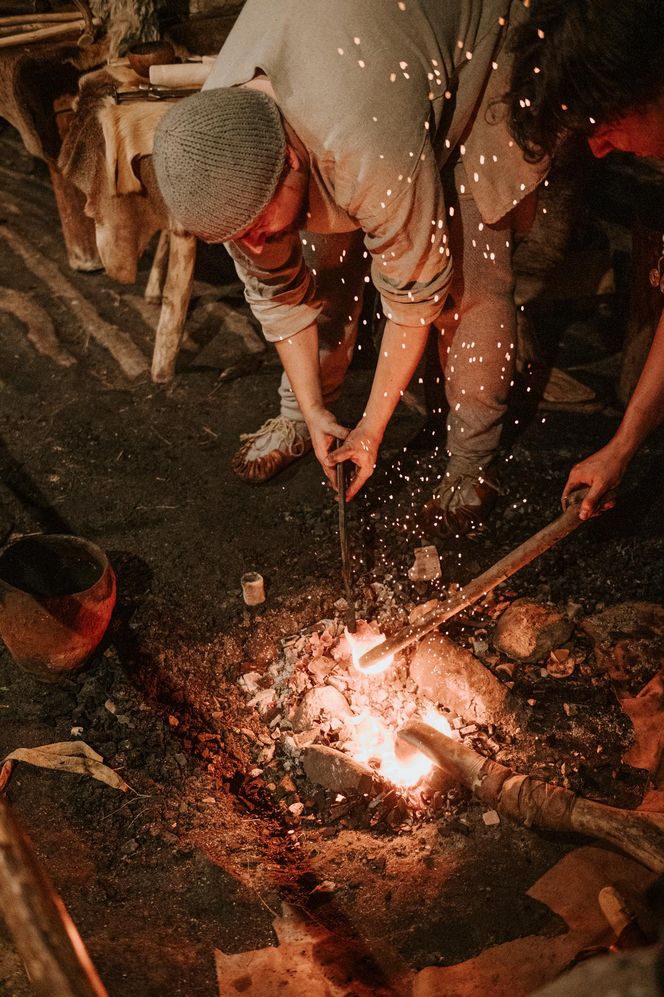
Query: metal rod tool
x=346, y=568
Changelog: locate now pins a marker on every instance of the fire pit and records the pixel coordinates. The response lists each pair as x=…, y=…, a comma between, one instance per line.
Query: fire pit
x=334, y=727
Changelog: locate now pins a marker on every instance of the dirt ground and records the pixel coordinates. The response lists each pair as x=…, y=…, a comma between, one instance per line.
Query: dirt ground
x=194, y=860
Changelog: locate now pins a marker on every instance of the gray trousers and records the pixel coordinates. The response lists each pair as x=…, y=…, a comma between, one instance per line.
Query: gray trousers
x=475, y=331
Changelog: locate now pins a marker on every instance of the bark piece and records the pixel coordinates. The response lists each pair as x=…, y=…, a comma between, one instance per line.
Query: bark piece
x=455, y=678
x=529, y=630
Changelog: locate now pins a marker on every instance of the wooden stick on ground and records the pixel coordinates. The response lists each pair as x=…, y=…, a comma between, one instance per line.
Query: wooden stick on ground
x=50, y=33
x=480, y=586
x=30, y=18
x=121, y=347
x=537, y=803
x=45, y=936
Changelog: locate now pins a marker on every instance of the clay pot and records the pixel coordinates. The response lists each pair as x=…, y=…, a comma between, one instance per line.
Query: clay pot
x=57, y=595
x=147, y=54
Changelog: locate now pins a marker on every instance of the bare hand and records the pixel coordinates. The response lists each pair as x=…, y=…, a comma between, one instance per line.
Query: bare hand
x=361, y=447
x=324, y=430
x=602, y=472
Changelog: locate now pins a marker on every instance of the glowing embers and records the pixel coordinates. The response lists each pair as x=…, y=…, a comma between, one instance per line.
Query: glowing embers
x=363, y=640
x=372, y=743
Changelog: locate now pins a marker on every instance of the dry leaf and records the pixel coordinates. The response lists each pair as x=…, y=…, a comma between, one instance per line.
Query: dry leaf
x=66, y=756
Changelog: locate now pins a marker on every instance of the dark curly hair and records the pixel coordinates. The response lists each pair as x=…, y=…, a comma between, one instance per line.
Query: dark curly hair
x=582, y=63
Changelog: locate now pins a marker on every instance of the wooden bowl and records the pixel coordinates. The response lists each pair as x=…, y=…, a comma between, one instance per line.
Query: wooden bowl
x=147, y=54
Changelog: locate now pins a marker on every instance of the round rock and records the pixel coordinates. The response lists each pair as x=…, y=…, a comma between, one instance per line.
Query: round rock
x=529, y=630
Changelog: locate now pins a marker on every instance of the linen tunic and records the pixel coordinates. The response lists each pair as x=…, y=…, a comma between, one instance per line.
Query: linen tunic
x=383, y=94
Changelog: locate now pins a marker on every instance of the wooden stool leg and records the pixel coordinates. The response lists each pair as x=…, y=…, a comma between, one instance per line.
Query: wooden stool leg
x=175, y=301
x=154, y=289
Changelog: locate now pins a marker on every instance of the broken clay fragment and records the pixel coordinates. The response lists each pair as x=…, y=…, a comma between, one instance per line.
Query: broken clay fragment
x=253, y=588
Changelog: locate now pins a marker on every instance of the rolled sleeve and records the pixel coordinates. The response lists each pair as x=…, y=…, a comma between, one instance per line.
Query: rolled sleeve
x=409, y=244
x=278, y=287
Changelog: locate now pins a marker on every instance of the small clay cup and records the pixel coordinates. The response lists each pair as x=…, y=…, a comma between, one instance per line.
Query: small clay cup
x=57, y=595
x=147, y=54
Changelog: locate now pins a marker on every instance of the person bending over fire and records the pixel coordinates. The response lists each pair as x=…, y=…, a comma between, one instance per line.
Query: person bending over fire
x=338, y=142
x=596, y=68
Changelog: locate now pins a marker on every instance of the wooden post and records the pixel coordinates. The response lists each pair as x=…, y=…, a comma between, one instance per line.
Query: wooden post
x=174, y=306
x=45, y=936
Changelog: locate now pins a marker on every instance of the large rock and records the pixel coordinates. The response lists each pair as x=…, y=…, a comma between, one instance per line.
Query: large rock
x=333, y=770
x=455, y=678
x=629, y=641
x=529, y=630
x=322, y=701
x=641, y=620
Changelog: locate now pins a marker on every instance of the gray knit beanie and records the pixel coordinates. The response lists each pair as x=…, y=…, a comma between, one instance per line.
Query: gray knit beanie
x=218, y=156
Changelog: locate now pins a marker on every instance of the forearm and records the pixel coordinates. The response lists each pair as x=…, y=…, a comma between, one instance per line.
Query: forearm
x=299, y=357
x=646, y=407
x=400, y=352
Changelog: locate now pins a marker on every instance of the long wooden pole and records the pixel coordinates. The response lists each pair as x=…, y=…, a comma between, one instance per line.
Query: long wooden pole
x=45, y=936
x=52, y=33
x=12, y=19
x=480, y=586
x=536, y=803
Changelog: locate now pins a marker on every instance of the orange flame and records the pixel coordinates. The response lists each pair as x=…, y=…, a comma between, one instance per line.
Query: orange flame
x=374, y=741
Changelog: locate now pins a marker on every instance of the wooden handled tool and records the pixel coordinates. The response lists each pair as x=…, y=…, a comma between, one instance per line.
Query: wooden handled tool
x=536, y=803
x=480, y=586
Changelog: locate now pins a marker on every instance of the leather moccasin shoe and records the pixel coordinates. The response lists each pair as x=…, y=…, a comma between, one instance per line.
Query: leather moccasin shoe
x=462, y=504
x=270, y=449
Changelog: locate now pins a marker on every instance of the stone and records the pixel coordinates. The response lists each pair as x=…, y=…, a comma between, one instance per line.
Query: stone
x=317, y=701
x=641, y=620
x=450, y=675
x=335, y=771
x=265, y=701
x=529, y=630
x=491, y=818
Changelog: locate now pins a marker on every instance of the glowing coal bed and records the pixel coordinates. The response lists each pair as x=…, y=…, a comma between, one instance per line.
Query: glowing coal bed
x=333, y=727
